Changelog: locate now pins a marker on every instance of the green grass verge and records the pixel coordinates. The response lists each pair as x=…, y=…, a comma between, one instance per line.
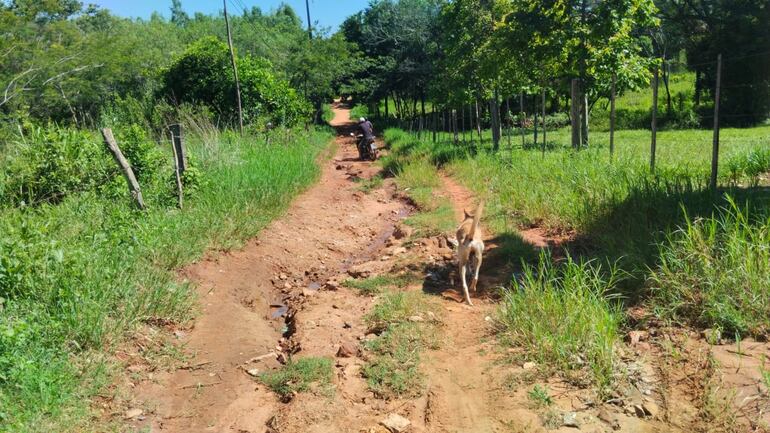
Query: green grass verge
x=75, y=276
x=302, y=375
x=715, y=273
x=393, y=368
x=561, y=316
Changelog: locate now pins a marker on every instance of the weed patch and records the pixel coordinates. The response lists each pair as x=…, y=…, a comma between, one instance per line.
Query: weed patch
x=715, y=273
x=302, y=375
x=560, y=316
x=393, y=369
x=375, y=285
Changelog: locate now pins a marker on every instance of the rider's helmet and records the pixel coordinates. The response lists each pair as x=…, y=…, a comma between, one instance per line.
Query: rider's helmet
x=361, y=120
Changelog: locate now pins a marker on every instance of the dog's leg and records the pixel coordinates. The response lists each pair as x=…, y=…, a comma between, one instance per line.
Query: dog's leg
x=465, y=284
x=477, y=263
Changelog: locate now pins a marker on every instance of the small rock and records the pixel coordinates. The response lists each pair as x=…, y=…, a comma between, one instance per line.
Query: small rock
x=396, y=423
x=179, y=334
x=135, y=368
x=431, y=316
x=639, y=410
x=385, y=258
x=529, y=365
x=651, y=409
x=287, y=286
x=283, y=276
x=487, y=319
x=570, y=420
x=347, y=325
x=308, y=293
x=253, y=372
x=634, y=337
x=416, y=319
x=331, y=284
x=346, y=350
x=609, y=418
x=133, y=413
x=402, y=232
x=399, y=250
x=712, y=336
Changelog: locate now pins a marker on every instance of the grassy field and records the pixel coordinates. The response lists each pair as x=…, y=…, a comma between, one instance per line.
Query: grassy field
x=76, y=274
x=664, y=240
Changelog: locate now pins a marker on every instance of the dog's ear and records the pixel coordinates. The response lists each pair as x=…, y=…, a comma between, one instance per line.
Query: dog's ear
x=467, y=214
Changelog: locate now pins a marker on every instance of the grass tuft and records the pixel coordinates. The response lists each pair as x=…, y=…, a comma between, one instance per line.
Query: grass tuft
x=561, y=317
x=375, y=285
x=302, y=375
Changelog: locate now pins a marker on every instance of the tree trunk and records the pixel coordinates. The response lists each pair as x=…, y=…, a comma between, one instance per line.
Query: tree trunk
x=534, y=125
x=584, y=119
x=494, y=111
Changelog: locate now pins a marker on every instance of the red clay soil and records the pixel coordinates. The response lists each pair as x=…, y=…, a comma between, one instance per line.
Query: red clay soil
x=334, y=230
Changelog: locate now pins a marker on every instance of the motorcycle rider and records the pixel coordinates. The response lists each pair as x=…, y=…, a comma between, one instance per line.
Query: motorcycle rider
x=367, y=129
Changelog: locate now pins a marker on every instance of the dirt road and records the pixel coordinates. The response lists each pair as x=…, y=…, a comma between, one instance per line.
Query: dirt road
x=280, y=296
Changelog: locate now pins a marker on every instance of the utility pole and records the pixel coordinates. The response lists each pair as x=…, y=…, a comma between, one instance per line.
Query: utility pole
x=309, y=27
x=235, y=69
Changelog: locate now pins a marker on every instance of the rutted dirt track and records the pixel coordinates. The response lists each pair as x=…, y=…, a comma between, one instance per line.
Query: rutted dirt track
x=280, y=296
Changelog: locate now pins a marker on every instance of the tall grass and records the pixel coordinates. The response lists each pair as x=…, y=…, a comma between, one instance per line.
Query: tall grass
x=715, y=273
x=76, y=275
x=563, y=318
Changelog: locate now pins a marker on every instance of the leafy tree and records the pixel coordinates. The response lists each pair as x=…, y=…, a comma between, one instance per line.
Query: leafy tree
x=203, y=75
x=178, y=15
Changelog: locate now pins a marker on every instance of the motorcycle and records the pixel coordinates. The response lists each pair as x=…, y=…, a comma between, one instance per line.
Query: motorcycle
x=366, y=150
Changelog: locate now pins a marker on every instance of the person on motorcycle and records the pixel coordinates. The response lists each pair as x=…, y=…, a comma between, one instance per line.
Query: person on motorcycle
x=367, y=130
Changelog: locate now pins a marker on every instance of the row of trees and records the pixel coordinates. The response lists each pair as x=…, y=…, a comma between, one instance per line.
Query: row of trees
x=65, y=63
x=481, y=53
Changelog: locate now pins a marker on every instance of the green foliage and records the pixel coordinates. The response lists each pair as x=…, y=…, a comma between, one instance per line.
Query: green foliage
x=203, y=75
x=75, y=276
x=302, y=375
x=715, y=273
x=52, y=163
x=577, y=326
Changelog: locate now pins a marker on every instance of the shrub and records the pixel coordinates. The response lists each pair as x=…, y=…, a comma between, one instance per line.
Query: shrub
x=52, y=163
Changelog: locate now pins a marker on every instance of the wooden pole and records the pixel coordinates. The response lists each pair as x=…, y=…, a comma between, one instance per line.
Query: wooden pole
x=125, y=167
x=612, y=116
x=715, y=144
x=508, y=123
x=543, y=107
x=174, y=130
x=653, y=142
x=521, y=118
x=575, y=114
x=454, y=126
x=235, y=69
x=535, y=123
x=176, y=140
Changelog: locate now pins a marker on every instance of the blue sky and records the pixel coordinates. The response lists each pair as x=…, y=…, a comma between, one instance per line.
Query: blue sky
x=328, y=13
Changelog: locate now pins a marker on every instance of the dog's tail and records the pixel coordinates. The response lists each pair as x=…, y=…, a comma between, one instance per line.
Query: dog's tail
x=477, y=218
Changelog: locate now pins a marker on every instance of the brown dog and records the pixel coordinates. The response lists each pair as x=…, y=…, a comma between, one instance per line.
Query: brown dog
x=470, y=248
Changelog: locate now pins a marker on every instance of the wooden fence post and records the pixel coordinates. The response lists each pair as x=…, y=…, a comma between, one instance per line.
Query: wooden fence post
x=653, y=142
x=575, y=114
x=715, y=143
x=179, y=165
x=612, y=116
x=544, y=128
x=521, y=118
x=125, y=167
x=454, y=126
